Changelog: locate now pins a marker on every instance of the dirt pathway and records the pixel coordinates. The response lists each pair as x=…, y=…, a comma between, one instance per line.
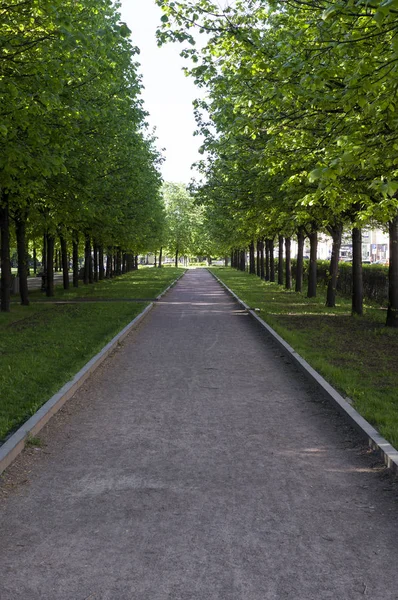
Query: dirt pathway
x=198, y=464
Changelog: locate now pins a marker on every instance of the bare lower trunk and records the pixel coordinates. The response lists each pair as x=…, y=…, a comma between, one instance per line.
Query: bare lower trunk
x=288, y=263
x=75, y=260
x=392, y=311
x=258, y=259
x=50, y=266
x=312, y=273
x=87, y=258
x=176, y=259
x=5, y=253
x=357, y=281
x=101, y=262
x=160, y=258
x=300, y=261
x=280, y=260
x=336, y=233
x=64, y=261
x=267, y=261
x=95, y=260
x=20, y=230
x=271, y=261
x=252, y=263
x=242, y=262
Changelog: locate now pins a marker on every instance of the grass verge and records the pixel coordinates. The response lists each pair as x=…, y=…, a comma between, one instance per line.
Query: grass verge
x=357, y=355
x=43, y=346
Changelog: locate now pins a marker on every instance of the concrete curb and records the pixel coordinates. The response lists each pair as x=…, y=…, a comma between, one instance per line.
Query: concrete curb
x=379, y=444
x=16, y=443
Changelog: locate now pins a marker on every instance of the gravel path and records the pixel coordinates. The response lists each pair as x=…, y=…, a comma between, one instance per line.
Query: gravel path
x=198, y=464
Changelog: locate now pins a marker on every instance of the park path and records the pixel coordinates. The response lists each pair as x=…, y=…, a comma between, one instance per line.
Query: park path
x=198, y=464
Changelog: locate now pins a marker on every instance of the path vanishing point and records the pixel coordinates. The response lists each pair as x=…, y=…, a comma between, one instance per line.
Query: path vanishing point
x=198, y=464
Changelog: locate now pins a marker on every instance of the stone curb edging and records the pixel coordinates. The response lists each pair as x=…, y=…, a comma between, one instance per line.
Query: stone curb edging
x=376, y=441
x=16, y=443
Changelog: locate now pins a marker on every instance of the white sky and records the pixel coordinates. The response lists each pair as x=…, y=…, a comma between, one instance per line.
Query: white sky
x=168, y=93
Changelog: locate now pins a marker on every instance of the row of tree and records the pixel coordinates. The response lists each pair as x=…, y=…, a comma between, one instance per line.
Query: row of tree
x=78, y=168
x=300, y=123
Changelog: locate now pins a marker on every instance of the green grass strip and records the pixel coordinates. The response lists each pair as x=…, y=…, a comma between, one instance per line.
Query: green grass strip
x=357, y=355
x=43, y=346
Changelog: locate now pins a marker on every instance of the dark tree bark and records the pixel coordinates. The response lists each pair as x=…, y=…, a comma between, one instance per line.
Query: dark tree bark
x=280, y=260
x=392, y=310
x=118, y=262
x=312, y=273
x=288, y=263
x=267, y=261
x=156, y=260
x=44, y=263
x=87, y=259
x=258, y=259
x=101, y=272
x=176, y=258
x=5, y=253
x=95, y=260
x=357, y=281
x=271, y=261
x=252, y=262
x=50, y=266
x=336, y=233
x=108, y=273
x=242, y=260
x=75, y=260
x=300, y=260
x=262, y=266
x=136, y=262
x=20, y=230
x=64, y=260
x=160, y=257
x=34, y=260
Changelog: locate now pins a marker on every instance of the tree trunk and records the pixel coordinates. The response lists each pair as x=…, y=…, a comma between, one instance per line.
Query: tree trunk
x=392, y=311
x=242, y=260
x=87, y=257
x=118, y=262
x=160, y=257
x=280, y=260
x=5, y=253
x=271, y=261
x=34, y=260
x=136, y=262
x=252, y=263
x=258, y=260
x=312, y=273
x=108, y=273
x=288, y=263
x=50, y=266
x=156, y=260
x=75, y=260
x=176, y=258
x=95, y=260
x=357, y=281
x=267, y=261
x=300, y=260
x=20, y=230
x=336, y=233
x=44, y=263
x=64, y=260
x=101, y=262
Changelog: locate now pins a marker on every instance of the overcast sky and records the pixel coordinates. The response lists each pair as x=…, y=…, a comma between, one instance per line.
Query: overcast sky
x=168, y=93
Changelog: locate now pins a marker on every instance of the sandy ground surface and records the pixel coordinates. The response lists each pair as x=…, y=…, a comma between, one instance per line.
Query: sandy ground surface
x=198, y=464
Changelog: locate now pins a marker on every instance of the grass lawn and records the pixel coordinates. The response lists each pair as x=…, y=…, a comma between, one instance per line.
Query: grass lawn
x=44, y=345
x=357, y=355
